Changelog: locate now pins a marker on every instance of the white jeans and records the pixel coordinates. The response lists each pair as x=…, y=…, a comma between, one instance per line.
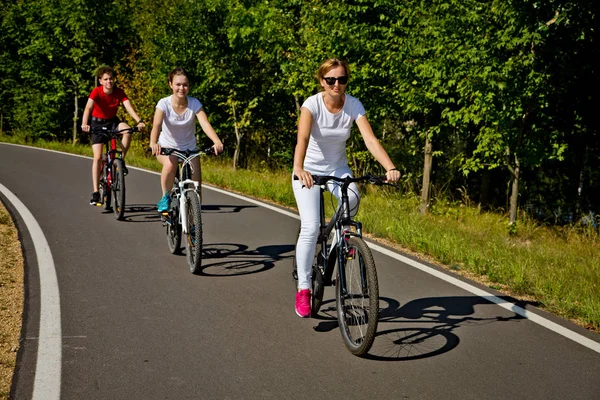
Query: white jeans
x=310, y=215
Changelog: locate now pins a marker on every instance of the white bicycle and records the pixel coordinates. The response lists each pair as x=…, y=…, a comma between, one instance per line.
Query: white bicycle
x=185, y=214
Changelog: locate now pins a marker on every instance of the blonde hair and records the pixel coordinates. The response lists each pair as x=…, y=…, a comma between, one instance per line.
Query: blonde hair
x=330, y=64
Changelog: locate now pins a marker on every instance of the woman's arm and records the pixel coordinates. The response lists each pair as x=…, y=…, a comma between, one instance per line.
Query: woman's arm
x=131, y=111
x=156, y=127
x=85, y=120
x=208, y=129
x=304, y=125
x=377, y=149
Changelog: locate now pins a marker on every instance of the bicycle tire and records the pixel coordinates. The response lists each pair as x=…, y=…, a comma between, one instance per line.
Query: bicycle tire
x=358, y=309
x=318, y=288
x=118, y=188
x=104, y=189
x=194, y=232
x=174, y=227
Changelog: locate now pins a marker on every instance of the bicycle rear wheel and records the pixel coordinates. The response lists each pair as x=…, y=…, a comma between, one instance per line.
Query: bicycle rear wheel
x=194, y=232
x=118, y=188
x=358, y=308
x=104, y=189
x=174, y=227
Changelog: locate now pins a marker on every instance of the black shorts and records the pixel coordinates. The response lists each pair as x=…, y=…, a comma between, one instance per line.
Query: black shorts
x=98, y=138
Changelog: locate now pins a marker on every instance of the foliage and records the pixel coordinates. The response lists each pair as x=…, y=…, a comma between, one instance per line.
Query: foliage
x=493, y=85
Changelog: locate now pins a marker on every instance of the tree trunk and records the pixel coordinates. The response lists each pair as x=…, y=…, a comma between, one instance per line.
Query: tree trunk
x=298, y=107
x=426, y=176
x=514, y=196
x=580, y=207
x=238, y=139
x=75, y=137
x=484, y=193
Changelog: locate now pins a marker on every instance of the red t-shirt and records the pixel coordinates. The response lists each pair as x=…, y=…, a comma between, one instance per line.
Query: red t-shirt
x=106, y=105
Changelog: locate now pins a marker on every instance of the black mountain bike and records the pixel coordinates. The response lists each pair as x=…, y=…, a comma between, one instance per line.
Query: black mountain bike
x=357, y=289
x=184, y=215
x=112, y=178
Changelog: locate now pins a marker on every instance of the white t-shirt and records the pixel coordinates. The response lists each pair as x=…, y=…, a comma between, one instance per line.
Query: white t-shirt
x=326, y=149
x=178, y=130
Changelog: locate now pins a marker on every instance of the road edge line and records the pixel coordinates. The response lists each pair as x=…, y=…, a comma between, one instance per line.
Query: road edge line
x=46, y=385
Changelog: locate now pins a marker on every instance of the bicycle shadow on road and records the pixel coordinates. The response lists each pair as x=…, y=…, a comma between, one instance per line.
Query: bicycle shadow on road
x=433, y=321
x=223, y=208
x=430, y=325
x=148, y=212
x=233, y=259
x=141, y=213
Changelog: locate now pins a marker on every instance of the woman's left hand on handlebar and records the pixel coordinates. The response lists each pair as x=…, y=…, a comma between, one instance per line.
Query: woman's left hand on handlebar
x=155, y=148
x=218, y=146
x=141, y=125
x=392, y=175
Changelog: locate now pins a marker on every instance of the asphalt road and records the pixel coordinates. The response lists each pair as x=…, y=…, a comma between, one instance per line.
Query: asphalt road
x=136, y=324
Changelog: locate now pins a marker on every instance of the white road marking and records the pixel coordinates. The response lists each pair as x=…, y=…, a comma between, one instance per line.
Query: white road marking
x=46, y=385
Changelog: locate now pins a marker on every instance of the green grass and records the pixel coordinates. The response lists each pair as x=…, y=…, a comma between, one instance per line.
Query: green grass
x=558, y=267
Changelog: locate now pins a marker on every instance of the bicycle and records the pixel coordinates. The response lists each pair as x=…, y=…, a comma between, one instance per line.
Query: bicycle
x=184, y=215
x=112, y=178
x=357, y=287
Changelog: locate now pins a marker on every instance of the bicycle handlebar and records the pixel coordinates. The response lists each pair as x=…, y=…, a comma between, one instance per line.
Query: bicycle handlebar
x=372, y=179
x=164, y=151
x=107, y=131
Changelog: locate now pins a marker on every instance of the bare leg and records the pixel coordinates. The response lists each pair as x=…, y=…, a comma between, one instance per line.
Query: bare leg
x=125, y=140
x=197, y=174
x=96, y=165
x=169, y=170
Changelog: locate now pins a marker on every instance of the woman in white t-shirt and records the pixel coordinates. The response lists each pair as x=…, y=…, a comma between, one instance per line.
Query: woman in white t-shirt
x=174, y=120
x=325, y=123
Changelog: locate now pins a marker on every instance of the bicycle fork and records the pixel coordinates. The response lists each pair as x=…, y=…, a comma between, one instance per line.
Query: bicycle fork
x=183, y=215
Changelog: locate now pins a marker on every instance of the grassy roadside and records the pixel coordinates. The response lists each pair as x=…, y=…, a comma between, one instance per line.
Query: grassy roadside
x=558, y=268
x=11, y=299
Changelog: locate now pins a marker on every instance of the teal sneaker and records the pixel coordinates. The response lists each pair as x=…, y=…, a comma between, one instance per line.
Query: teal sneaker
x=164, y=203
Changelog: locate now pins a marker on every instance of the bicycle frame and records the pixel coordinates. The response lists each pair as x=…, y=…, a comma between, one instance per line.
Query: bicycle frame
x=335, y=252
x=185, y=171
x=110, y=154
x=186, y=184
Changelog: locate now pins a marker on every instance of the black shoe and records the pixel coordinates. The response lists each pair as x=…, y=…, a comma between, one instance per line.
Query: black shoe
x=95, y=200
x=125, y=170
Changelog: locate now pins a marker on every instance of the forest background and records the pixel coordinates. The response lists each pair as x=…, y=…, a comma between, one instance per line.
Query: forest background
x=492, y=103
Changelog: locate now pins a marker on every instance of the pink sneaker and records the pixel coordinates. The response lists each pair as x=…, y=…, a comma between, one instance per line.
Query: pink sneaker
x=303, y=303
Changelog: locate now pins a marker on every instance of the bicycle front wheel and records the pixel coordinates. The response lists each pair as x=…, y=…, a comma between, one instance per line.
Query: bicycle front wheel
x=357, y=297
x=194, y=232
x=118, y=188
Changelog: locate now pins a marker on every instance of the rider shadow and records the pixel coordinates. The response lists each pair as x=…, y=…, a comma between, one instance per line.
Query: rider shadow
x=442, y=315
x=223, y=209
x=141, y=213
x=232, y=259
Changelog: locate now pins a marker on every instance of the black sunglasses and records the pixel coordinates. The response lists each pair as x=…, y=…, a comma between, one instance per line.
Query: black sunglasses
x=330, y=80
